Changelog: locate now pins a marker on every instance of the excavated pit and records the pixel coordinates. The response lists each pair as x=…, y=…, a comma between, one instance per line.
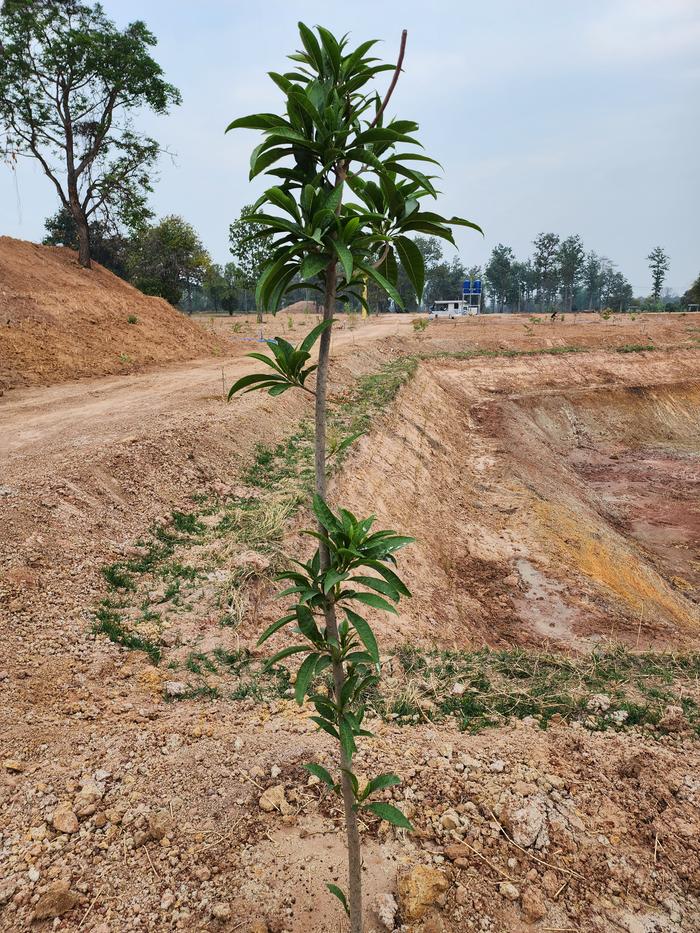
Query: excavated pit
x=553, y=502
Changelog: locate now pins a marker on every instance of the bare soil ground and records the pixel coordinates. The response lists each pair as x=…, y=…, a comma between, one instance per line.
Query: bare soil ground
x=554, y=496
x=59, y=322
x=553, y=499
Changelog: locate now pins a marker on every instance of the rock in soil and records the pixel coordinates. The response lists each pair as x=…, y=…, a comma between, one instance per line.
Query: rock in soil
x=420, y=888
x=57, y=900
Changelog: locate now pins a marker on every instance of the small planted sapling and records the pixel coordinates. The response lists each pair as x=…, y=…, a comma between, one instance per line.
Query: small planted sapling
x=346, y=197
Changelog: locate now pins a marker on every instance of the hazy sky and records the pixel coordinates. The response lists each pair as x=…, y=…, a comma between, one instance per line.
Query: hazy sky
x=575, y=117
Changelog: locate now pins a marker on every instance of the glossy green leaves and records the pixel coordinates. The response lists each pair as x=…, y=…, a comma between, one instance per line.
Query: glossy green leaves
x=346, y=189
x=288, y=365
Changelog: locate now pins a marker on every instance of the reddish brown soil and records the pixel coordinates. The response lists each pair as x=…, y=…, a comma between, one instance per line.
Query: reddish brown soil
x=512, y=473
x=488, y=463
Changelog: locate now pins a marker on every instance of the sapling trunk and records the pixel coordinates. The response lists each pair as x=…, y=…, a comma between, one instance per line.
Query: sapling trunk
x=352, y=831
x=349, y=236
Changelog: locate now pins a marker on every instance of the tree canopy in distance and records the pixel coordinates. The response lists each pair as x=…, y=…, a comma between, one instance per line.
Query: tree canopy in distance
x=69, y=82
x=658, y=266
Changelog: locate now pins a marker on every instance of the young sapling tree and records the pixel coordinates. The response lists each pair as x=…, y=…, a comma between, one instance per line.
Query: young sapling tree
x=346, y=196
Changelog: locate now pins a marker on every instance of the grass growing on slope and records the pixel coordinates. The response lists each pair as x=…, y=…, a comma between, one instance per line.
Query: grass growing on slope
x=481, y=352
x=169, y=567
x=108, y=622
x=604, y=690
x=613, y=689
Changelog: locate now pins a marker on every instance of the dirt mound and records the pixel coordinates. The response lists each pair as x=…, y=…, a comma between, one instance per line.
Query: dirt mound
x=59, y=321
x=302, y=307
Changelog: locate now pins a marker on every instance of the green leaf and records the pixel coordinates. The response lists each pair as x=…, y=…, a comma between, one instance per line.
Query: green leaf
x=304, y=675
x=366, y=634
x=460, y=222
x=345, y=443
x=257, y=121
x=285, y=135
x=313, y=264
x=389, y=268
x=345, y=257
x=280, y=623
x=359, y=657
x=324, y=514
x=321, y=774
x=355, y=58
x=389, y=576
x=312, y=47
x=348, y=690
x=284, y=84
x=306, y=621
x=324, y=706
x=381, y=586
x=313, y=335
x=268, y=361
x=419, y=226
x=250, y=382
x=326, y=726
x=331, y=579
x=412, y=262
x=350, y=229
x=421, y=180
x=382, y=283
x=371, y=599
x=289, y=591
x=379, y=783
x=331, y=47
x=282, y=199
x=394, y=542
x=383, y=134
x=346, y=740
x=334, y=889
x=415, y=156
x=389, y=813
x=333, y=200
x=285, y=653
x=301, y=100
x=278, y=389
x=353, y=781
x=270, y=274
x=260, y=160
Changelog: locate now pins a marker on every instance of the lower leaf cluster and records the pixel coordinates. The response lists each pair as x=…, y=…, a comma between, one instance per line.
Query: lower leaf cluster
x=324, y=590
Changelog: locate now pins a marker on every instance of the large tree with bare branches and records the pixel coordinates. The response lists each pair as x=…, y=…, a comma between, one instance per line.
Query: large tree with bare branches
x=69, y=81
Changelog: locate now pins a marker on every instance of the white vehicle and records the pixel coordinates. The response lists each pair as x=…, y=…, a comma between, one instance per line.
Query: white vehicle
x=450, y=309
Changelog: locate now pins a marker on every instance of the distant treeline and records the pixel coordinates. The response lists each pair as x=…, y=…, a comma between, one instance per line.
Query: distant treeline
x=561, y=275
x=168, y=259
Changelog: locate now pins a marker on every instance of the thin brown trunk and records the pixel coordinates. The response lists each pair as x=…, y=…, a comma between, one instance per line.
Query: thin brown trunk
x=321, y=388
x=83, y=242
x=81, y=224
x=72, y=175
x=353, y=835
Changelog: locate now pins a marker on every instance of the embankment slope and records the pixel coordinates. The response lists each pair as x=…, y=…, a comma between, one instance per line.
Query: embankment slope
x=60, y=322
